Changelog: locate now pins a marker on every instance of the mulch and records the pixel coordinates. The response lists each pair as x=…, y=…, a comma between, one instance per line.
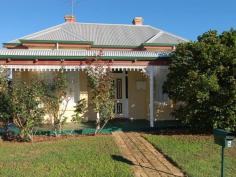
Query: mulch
x=41, y=138
x=61, y=137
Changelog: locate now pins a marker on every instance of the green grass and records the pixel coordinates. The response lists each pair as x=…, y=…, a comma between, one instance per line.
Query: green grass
x=198, y=156
x=72, y=157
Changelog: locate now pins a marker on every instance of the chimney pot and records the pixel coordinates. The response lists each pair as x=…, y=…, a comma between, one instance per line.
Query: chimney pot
x=138, y=21
x=70, y=18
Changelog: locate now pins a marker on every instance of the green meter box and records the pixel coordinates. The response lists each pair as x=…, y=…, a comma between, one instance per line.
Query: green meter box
x=223, y=138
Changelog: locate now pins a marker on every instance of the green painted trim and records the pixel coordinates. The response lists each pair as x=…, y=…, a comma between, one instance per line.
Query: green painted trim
x=83, y=57
x=11, y=43
x=116, y=46
x=159, y=44
x=90, y=43
x=75, y=42
x=55, y=41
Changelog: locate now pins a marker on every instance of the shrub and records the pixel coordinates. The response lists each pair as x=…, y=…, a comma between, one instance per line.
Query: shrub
x=102, y=91
x=54, y=94
x=202, y=76
x=20, y=103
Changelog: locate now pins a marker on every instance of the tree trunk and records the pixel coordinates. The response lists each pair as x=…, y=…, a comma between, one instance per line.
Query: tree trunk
x=60, y=129
x=25, y=135
x=103, y=125
x=97, y=123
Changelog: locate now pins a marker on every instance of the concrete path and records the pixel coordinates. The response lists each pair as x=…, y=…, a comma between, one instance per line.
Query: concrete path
x=146, y=160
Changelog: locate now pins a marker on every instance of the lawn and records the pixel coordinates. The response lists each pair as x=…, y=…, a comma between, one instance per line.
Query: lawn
x=72, y=157
x=198, y=156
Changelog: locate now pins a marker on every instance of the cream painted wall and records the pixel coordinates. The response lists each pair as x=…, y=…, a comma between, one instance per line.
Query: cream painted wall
x=138, y=88
x=138, y=93
x=73, y=88
x=139, y=98
x=84, y=94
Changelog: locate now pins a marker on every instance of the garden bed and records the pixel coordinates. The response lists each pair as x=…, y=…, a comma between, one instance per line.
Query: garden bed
x=88, y=128
x=41, y=138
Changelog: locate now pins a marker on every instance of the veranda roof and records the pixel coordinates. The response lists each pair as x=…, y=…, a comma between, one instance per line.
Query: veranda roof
x=81, y=54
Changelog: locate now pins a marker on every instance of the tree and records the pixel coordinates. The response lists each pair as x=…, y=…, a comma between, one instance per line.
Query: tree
x=102, y=91
x=202, y=78
x=5, y=98
x=26, y=105
x=20, y=103
x=55, y=100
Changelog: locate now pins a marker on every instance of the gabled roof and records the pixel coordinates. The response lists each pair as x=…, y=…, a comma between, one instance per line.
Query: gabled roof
x=165, y=38
x=104, y=34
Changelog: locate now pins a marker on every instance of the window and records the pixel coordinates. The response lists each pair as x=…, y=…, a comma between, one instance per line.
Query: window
x=72, y=77
x=160, y=77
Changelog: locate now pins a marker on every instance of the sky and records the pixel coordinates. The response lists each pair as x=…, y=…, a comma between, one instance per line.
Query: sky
x=186, y=18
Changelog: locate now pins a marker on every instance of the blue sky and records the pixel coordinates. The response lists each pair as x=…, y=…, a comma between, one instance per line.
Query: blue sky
x=186, y=18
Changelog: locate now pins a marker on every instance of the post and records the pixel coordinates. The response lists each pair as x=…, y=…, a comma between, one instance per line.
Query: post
x=9, y=74
x=222, y=161
x=151, y=110
x=224, y=139
x=98, y=121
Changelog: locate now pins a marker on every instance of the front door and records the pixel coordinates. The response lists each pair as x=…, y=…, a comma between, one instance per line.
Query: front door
x=121, y=96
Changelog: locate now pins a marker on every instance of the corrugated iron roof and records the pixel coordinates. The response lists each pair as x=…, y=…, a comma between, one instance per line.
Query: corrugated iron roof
x=11, y=53
x=104, y=34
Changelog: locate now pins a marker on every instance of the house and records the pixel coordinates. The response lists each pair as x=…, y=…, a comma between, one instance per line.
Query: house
x=138, y=54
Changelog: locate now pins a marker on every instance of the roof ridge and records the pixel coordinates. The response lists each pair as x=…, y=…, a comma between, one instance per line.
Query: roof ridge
x=154, y=37
x=112, y=24
x=171, y=34
x=41, y=31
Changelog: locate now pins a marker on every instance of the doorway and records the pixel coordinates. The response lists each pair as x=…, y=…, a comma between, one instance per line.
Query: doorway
x=121, y=94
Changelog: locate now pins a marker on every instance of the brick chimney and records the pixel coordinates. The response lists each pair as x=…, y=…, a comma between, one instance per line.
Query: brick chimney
x=138, y=21
x=70, y=18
